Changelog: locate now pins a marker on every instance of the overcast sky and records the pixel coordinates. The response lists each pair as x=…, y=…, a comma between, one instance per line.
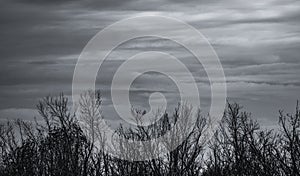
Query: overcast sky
x=257, y=42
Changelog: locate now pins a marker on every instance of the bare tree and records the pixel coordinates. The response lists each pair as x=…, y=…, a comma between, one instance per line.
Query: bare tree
x=69, y=143
x=289, y=152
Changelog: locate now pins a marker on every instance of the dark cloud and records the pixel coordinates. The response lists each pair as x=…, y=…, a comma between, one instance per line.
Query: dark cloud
x=258, y=44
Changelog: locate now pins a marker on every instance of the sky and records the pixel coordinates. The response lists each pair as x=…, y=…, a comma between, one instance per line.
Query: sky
x=258, y=44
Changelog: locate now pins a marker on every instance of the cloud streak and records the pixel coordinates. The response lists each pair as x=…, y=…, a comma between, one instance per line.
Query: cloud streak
x=258, y=44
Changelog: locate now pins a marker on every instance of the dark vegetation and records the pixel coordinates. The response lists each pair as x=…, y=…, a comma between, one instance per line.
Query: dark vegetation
x=58, y=147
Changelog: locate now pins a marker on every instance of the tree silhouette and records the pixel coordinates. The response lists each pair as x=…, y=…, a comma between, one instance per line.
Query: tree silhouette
x=60, y=146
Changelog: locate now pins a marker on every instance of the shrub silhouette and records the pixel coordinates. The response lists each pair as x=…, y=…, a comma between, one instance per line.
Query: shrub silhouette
x=58, y=146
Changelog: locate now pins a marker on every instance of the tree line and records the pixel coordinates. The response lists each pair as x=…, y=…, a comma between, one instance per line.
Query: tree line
x=60, y=147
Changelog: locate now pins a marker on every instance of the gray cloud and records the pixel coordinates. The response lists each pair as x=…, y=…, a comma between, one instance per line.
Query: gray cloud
x=258, y=44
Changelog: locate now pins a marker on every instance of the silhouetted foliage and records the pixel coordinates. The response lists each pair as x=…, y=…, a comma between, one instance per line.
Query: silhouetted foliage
x=58, y=146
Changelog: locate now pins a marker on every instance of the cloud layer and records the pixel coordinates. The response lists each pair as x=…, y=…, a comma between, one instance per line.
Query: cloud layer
x=258, y=44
